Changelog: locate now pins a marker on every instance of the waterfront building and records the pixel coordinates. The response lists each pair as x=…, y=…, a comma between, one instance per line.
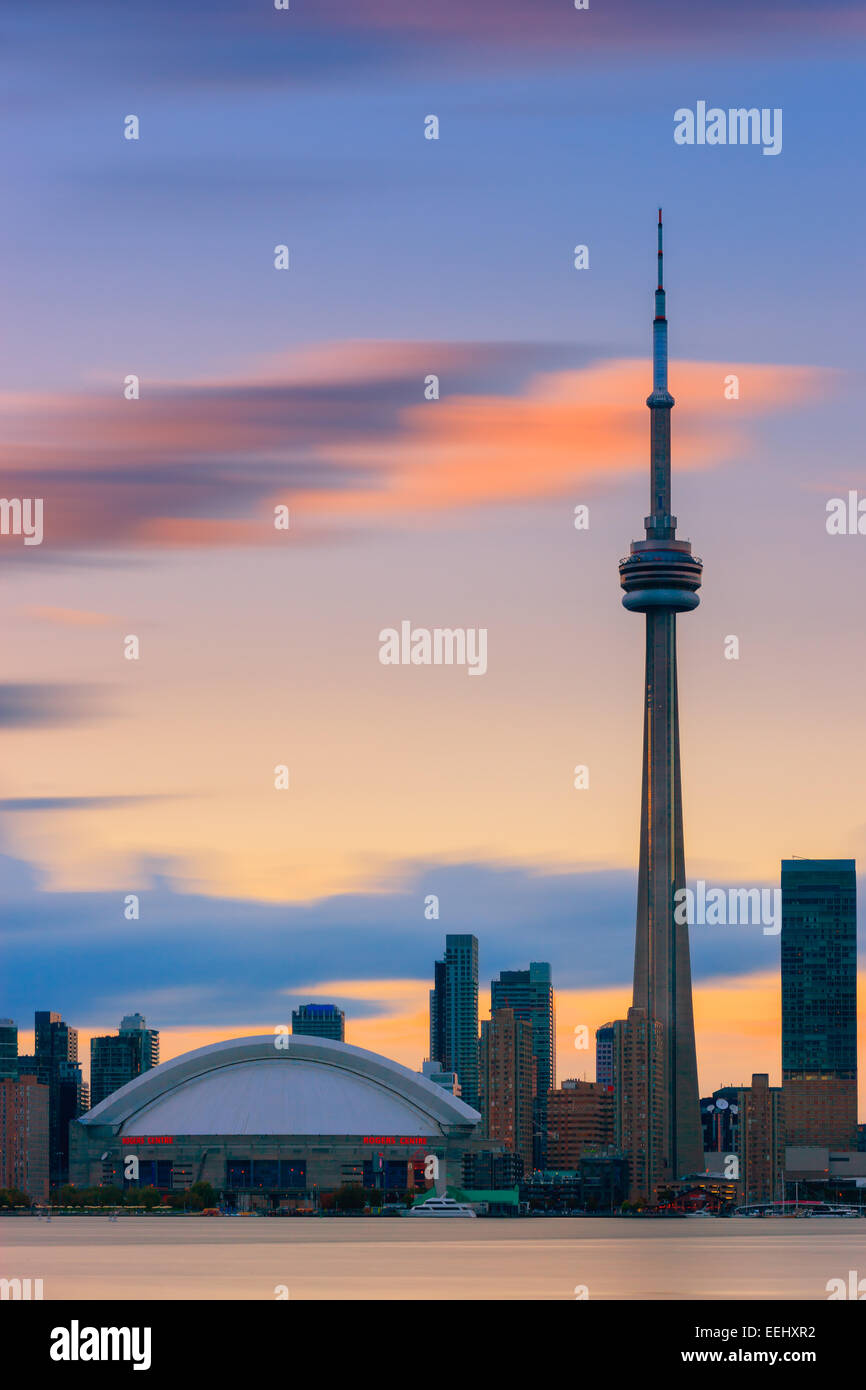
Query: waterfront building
x=276, y=1123
x=507, y=1083
x=55, y=1064
x=118, y=1058
x=819, y=1002
x=454, y=1013
x=24, y=1152
x=529, y=994
x=639, y=1076
x=580, y=1121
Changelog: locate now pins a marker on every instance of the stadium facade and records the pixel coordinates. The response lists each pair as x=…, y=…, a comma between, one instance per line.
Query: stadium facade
x=275, y=1121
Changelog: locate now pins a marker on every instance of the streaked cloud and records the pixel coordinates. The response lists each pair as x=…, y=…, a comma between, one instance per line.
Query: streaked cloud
x=69, y=803
x=66, y=617
x=31, y=705
x=234, y=43
x=342, y=434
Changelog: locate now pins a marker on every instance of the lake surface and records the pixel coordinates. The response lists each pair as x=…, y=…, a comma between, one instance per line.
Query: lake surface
x=381, y=1258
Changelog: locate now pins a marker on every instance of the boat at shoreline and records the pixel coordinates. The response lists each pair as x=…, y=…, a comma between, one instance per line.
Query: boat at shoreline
x=440, y=1206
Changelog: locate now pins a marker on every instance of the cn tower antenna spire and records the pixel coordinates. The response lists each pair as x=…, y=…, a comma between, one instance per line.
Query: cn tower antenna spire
x=660, y=326
x=660, y=523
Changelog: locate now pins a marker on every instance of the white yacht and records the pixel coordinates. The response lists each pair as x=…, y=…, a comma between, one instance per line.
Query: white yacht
x=440, y=1206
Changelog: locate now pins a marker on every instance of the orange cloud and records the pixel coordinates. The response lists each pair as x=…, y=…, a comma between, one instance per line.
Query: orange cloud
x=340, y=432
x=569, y=426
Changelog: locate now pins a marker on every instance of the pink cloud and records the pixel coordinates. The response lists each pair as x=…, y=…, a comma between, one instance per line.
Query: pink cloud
x=341, y=433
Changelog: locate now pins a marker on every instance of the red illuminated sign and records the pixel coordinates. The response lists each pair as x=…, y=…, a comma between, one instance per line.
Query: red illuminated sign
x=394, y=1139
x=147, y=1139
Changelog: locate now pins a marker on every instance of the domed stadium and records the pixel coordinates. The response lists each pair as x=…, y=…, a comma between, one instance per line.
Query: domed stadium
x=274, y=1121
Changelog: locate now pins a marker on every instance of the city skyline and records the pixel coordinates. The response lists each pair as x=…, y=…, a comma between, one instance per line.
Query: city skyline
x=583, y=1061
x=155, y=777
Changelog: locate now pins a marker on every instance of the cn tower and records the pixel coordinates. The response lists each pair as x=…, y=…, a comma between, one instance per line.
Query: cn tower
x=661, y=577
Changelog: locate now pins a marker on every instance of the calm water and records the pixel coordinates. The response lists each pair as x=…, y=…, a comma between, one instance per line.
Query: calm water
x=234, y=1258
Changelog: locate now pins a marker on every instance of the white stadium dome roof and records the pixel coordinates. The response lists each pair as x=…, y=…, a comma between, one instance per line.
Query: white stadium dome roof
x=307, y=1085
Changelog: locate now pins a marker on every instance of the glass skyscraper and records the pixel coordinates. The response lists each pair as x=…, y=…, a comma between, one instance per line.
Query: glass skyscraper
x=454, y=1013
x=819, y=1001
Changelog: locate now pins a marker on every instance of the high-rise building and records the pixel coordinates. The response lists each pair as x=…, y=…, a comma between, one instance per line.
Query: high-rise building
x=8, y=1048
x=747, y=1125
x=580, y=1120
x=119, y=1058
x=507, y=1082
x=762, y=1140
x=661, y=577
x=639, y=1079
x=819, y=1002
x=320, y=1021
x=454, y=1013
x=529, y=993
x=438, y=1045
x=55, y=1064
x=604, y=1054
x=24, y=1136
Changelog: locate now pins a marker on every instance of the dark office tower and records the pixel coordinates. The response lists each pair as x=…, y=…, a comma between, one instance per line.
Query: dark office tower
x=507, y=1082
x=320, y=1021
x=661, y=577
x=8, y=1048
x=529, y=993
x=819, y=1002
x=56, y=1064
x=454, y=1013
x=438, y=1045
x=115, y=1060
x=604, y=1054
x=55, y=1040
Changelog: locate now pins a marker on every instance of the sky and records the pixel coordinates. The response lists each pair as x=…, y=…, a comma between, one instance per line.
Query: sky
x=305, y=388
